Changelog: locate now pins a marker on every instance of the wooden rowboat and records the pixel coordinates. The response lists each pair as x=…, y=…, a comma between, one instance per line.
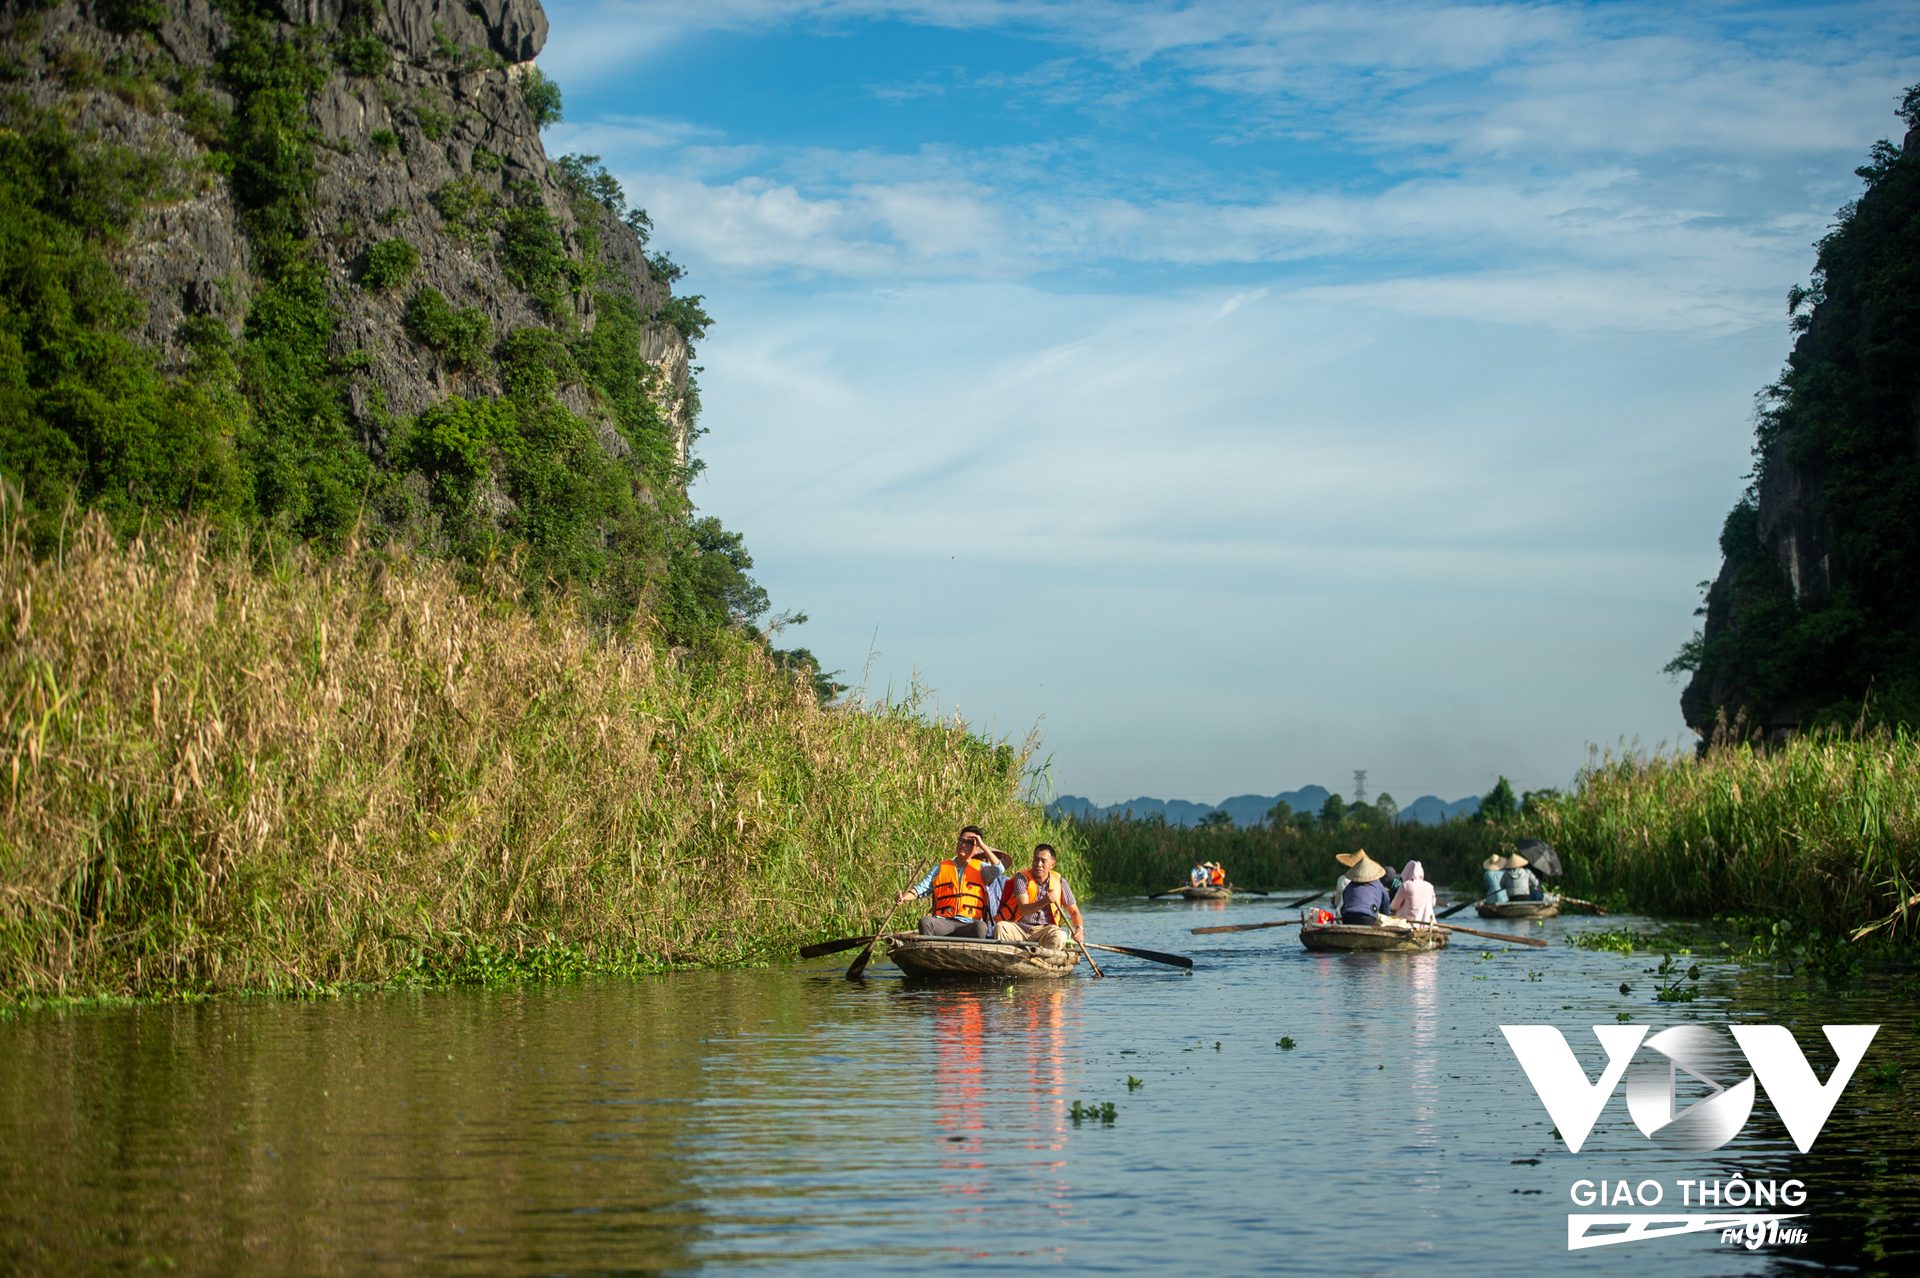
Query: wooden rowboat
x=953, y=957
x=1208, y=893
x=1519, y=910
x=1382, y=940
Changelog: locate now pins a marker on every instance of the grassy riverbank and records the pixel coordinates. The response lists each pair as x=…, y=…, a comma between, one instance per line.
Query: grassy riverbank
x=359, y=770
x=1134, y=856
x=1824, y=830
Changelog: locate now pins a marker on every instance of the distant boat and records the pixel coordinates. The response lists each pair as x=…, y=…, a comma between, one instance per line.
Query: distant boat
x=1207, y=893
x=1518, y=910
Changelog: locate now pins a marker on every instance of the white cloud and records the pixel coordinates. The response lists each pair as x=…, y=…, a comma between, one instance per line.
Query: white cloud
x=1217, y=545
x=1393, y=429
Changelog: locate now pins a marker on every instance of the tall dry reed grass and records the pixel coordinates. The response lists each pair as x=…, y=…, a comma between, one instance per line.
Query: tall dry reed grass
x=219, y=777
x=1824, y=829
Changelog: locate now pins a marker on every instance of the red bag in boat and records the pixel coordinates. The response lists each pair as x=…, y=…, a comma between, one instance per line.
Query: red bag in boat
x=1322, y=918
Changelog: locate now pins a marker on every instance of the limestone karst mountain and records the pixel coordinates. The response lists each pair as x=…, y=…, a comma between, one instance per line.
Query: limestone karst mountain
x=1812, y=618
x=304, y=267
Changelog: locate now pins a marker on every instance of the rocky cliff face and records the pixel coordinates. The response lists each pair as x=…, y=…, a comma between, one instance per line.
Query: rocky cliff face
x=420, y=135
x=1816, y=609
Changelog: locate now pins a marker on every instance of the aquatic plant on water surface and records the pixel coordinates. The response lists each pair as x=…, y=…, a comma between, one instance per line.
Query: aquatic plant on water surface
x=365, y=768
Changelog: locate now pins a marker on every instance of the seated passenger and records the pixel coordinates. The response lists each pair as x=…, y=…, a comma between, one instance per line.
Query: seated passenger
x=1490, y=882
x=1216, y=874
x=1199, y=874
x=960, y=889
x=1521, y=883
x=1414, y=901
x=1363, y=896
x=1035, y=902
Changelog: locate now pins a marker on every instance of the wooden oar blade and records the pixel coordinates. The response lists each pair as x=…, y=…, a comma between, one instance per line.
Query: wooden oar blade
x=859, y=968
x=1288, y=905
x=1494, y=936
x=1242, y=927
x=833, y=947
x=1152, y=956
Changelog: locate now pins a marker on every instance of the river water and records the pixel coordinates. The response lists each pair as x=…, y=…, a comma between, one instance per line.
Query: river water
x=789, y=1120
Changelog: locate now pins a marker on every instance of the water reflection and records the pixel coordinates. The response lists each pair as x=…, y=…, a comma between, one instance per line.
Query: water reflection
x=792, y=1119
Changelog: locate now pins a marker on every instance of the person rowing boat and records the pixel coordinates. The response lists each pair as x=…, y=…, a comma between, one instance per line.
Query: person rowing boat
x=1035, y=902
x=1415, y=897
x=1366, y=920
x=961, y=889
x=1359, y=894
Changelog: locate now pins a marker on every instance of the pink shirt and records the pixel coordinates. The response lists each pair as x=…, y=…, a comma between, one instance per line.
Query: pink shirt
x=1414, y=901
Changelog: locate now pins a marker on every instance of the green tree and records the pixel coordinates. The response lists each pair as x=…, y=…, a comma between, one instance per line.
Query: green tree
x=1281, y=813
x=1216, y=820
x=543, y=98
x=1498, y=804
x=1333, y=812
x=1387, y=809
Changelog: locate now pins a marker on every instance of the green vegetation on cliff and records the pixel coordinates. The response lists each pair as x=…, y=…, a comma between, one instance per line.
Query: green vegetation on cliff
x=299, y=689
x=1817, y=608
x=252, y=430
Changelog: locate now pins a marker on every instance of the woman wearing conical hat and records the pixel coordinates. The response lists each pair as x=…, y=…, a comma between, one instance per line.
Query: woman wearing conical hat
x=1361, y=895
x=1521, y=883
x=1494, y=891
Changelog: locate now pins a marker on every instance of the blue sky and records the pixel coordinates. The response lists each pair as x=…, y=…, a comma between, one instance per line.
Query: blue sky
x=1240, y=394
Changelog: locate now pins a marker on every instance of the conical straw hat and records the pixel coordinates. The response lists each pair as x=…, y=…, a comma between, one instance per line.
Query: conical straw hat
x=1365, y=868
x=1494, y=862
x=1515, y=861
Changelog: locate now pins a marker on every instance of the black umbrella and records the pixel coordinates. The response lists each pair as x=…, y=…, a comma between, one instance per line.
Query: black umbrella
x=1541, y=857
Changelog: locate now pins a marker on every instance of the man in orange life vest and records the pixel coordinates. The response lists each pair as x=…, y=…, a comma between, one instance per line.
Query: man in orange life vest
x=1034, y=903
x=962, y=904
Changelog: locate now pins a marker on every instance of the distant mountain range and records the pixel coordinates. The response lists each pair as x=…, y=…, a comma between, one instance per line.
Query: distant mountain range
x=1252, y=809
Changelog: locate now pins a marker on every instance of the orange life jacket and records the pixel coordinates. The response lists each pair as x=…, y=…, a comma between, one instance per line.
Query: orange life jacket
x=958, y=894
x=1013, y=904
x=1217, y=877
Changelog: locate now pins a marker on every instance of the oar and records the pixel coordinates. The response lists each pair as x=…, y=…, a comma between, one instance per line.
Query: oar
x=833, y=947
x=1084, y=949
x=1170, y=891
x=1288, y=905
x=1574, y=900
x=859, y=968
x=1152, y=956
x=1493, y=936
x=1250, y=892
x=1243, y=927
x=1450, y=911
